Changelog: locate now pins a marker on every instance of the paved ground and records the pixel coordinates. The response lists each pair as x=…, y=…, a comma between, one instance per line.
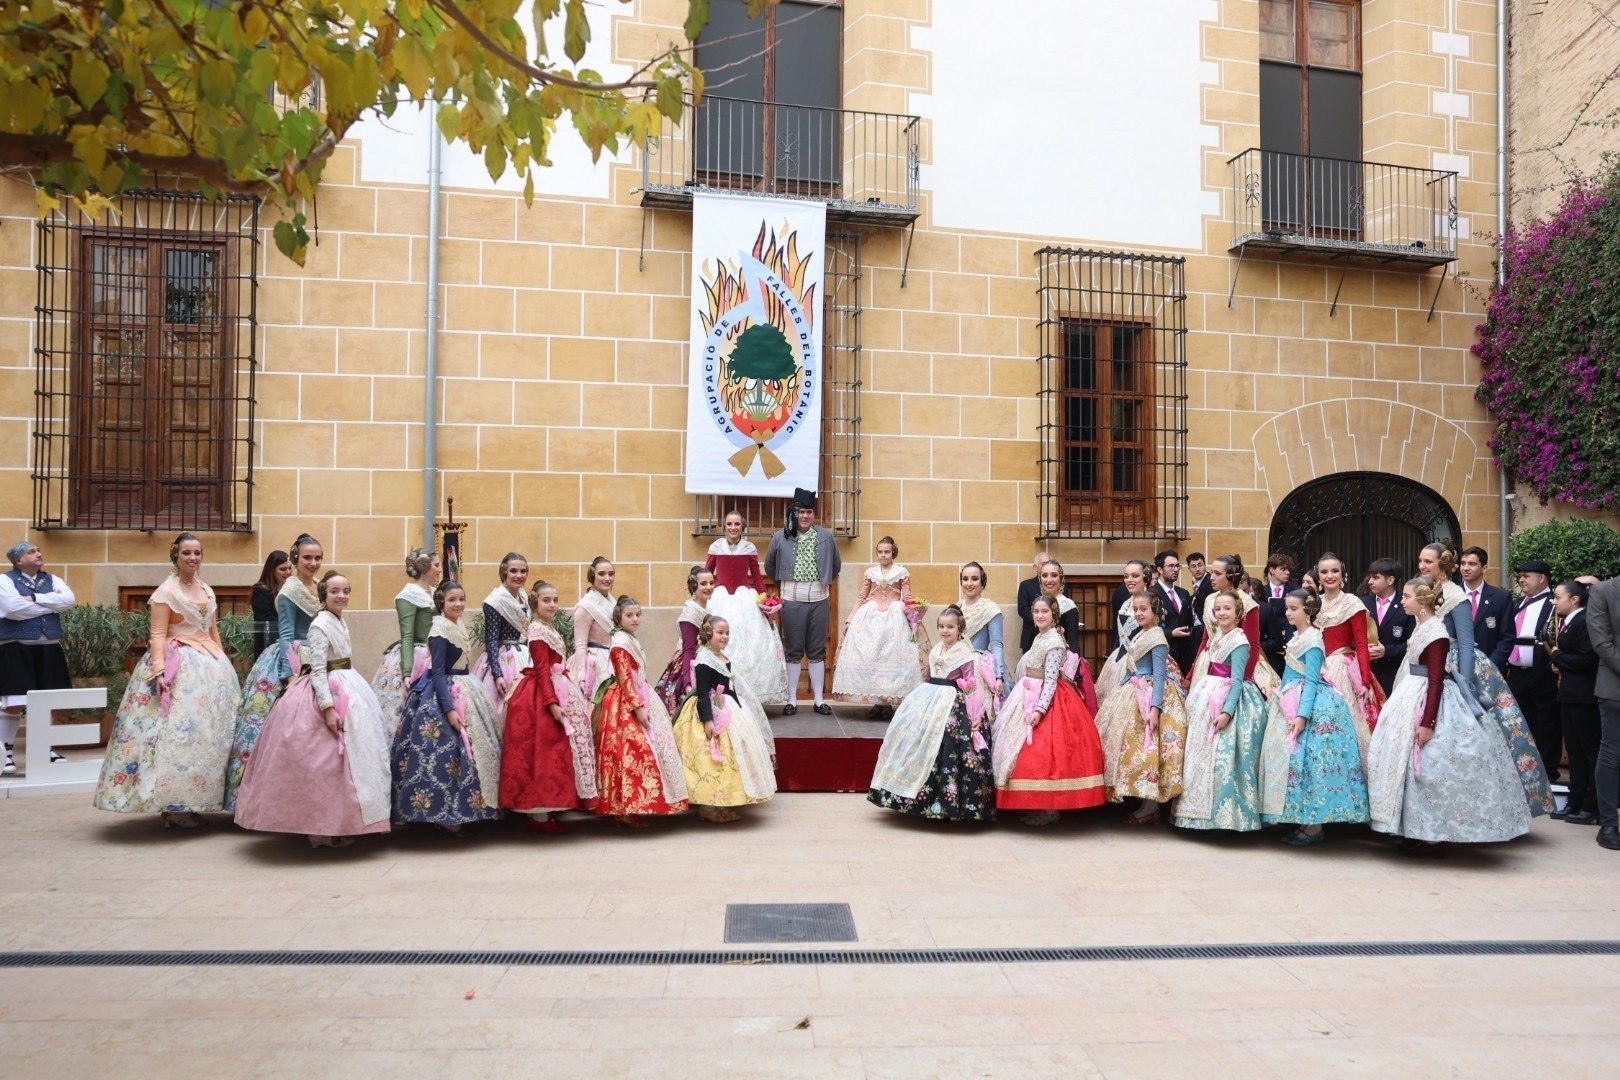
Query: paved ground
x=72, y=878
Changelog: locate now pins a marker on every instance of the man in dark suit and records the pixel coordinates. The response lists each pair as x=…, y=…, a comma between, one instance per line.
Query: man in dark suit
x=1203, y=587
x=1178, y=608
x=1492, y=607
x=1028, y=590
x=1393, y=623
x=1275, y=629
x=1603, y=626
x=1576, y=664
x=1528, y=663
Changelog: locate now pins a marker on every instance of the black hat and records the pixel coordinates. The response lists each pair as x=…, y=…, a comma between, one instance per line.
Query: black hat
x=803, y=500
x=1533, y=566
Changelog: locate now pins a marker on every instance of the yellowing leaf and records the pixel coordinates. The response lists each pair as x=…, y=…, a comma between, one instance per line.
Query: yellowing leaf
x=45, y=203
x=89, y=78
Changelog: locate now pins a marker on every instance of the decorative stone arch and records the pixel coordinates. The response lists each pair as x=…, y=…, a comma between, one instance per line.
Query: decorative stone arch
x=1349, y=435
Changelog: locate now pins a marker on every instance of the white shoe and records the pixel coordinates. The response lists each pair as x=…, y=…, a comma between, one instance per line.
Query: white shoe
x=10, y=766
x=1040, y=817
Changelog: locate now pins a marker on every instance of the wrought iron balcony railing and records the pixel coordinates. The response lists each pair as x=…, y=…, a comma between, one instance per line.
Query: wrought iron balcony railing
x=1359, y=211
x=863, y=165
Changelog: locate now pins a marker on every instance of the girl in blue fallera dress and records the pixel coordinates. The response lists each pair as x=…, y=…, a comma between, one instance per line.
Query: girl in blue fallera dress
x=447, y=753
x=1226, y=725
x=1311, y=772
x=296, y=607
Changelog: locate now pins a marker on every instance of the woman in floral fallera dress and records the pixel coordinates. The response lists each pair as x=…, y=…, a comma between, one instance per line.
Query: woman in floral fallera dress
x=1226, y=725
x=413, y=607
x=1311, y=772
x=320, y=766
x=173, y=733
x=296, y=608
x=506, y=629
x=935, y=761
x=756, y=647
x=1125, y=628
x=638, y=768
x=725, y=742
x=447, y=754
x=1437, y=770
x=548, y=754
x=1479, y=679
x=878, y=660
x=676, y=681
x=1143, y=727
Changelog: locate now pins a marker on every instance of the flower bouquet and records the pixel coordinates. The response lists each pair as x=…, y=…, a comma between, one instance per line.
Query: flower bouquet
x=916, y=608
x=770, y=606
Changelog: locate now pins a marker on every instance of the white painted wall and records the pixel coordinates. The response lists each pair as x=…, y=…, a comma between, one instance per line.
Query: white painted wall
x=1070, y=120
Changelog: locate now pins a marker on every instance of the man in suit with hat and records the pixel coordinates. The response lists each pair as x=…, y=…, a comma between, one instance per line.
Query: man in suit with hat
x=803, y=560
x=1529, y=667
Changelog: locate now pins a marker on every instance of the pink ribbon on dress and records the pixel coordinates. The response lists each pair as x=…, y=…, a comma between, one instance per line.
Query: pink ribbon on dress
x=459, y=706
x=295, y=663
x=1226, y=688
x=1290, y=707
x=722, y=720
x=1032, y=694
x=1144, y=701
x=419, y=664
x=560, y=685
x=976, y=695
x=171, y=668
x=1417, y=757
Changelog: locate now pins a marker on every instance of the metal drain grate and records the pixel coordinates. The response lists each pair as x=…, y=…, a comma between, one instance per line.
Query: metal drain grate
x=691, y=957
x=784, y=923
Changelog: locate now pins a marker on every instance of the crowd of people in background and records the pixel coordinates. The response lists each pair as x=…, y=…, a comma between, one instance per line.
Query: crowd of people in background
x=1432, y=706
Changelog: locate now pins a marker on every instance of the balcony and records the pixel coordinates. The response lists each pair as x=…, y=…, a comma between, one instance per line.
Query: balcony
x=1356, y=212
x=863, y=165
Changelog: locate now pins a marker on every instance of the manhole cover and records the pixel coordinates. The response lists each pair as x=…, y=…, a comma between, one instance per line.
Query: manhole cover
x=757, y=923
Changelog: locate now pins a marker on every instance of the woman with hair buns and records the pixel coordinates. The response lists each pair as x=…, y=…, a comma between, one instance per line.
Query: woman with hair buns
x=548, y=753
x=1226, y=575
x=676, y=681
x=638, y=767
x=982, y=624
x=1480, y=681
x=1143, y=727
x=413, y=607
x=1068, y=624
x=1437, y=770
x=1311, y=770
x=588, y=665
x=1135, y=584
x=879, y=659
x=1226, y=724
x=1347, y=632
x=447, y=752
x=725, y=742
x=506, y=627
x=173, y=733
x=935, y=761
x=756, y=647
x=321, y=765
x=296, y=607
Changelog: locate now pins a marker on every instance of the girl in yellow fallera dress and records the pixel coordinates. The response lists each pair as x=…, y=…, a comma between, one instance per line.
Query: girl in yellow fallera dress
x=726, y=746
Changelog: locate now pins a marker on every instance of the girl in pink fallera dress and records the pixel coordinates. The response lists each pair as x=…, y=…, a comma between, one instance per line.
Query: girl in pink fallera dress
x=320, y=766
x=756, y=647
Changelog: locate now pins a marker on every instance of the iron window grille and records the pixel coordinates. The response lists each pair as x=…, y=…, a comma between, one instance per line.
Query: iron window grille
x=840, y=486
x=144, y=365
x=1113, y=395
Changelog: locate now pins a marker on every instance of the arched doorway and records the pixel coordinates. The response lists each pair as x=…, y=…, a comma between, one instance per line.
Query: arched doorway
x=1361, y=516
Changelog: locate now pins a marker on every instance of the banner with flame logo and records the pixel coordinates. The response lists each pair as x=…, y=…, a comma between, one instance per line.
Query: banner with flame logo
x=754, y=400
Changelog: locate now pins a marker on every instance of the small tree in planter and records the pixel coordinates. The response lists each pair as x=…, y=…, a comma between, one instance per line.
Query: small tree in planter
x=100, y=643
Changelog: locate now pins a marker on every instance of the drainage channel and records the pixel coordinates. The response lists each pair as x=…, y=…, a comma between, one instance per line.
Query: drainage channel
x=796, y=957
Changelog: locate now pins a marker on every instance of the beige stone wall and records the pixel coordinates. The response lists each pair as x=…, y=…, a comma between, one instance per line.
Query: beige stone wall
x=563, y=397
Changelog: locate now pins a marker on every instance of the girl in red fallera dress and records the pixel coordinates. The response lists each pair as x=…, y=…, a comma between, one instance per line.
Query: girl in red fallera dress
x=1045, y=750
x=638, y=767
x=548, y=763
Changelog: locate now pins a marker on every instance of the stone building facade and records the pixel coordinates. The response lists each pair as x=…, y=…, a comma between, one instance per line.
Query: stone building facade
x=1041, y=124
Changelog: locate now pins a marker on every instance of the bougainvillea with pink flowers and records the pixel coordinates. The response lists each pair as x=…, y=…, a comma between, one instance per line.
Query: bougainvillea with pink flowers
x=1550, y=348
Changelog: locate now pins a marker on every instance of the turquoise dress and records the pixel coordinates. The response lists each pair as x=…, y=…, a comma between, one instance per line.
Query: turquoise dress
x=296, y=608
x=1221, y=770
x=1326, y=781
x=1484, y=688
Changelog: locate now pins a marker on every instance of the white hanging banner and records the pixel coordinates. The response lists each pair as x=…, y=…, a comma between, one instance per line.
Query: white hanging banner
x=753, y=413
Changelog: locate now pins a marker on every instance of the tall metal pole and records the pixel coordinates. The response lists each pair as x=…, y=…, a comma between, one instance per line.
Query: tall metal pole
x=1504, y=508
x=430, y=431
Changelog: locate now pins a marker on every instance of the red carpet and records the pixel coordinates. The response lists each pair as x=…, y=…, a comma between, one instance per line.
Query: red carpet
x=825, y=764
